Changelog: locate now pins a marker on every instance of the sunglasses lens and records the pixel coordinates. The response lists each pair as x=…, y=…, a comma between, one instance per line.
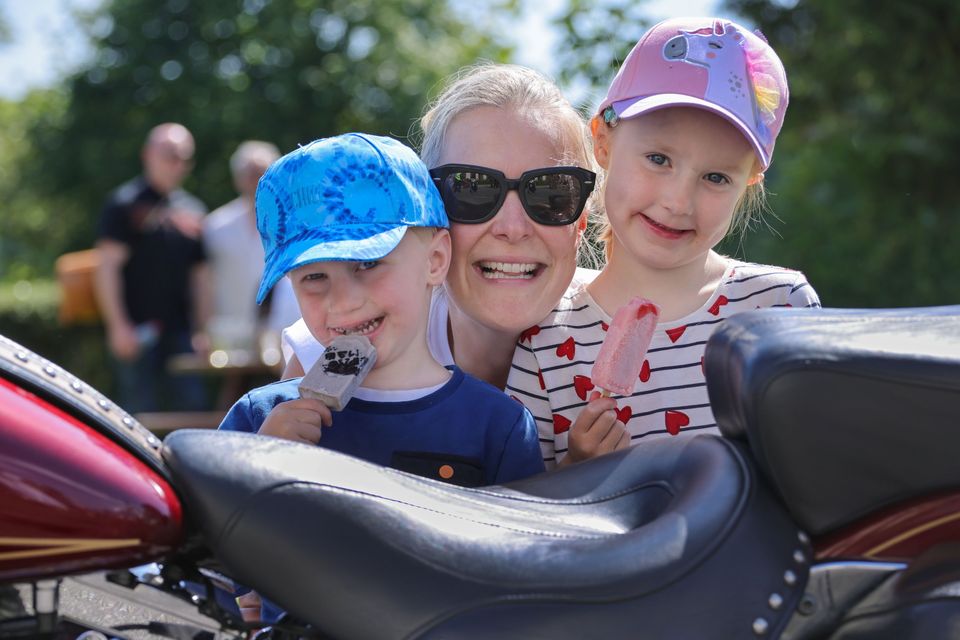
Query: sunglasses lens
x=469, y=196
x=553, y=198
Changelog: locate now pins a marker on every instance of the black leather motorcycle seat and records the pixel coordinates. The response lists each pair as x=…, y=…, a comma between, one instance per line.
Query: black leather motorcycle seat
x=671, y=540
x=846, y=410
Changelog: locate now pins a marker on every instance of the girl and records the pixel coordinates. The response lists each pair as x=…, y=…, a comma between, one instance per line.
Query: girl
x=684, y=134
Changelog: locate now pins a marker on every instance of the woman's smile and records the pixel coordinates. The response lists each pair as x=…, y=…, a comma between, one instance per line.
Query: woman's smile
x=499, y=270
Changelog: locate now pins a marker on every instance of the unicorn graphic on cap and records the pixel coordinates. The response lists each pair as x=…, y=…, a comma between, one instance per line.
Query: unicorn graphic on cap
x=723, y=52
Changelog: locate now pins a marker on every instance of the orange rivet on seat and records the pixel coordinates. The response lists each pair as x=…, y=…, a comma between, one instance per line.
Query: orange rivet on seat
x=445, y=471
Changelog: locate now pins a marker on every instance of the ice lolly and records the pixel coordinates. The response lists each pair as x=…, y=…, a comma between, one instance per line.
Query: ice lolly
x=340, y=370
x=621, y=356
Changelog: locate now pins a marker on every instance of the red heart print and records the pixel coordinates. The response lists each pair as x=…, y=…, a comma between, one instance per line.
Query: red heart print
x=604, y=325
x=624, y=414
x=675, y=333
x=715, y=307
x=543, y=385
x=567, y=349
x=645, y=371
x=560, y=424
x=582, y=384
x=529, y=333
x=675, y=420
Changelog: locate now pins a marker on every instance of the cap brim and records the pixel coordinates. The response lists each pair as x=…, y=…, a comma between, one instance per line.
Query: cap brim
x=633, y=107
x=329, y=244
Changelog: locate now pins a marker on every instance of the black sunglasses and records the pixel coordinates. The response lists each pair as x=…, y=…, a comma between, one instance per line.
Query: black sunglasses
x=553, y=196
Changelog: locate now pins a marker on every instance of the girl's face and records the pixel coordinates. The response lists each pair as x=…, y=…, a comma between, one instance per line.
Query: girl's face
x=674, y=177
x=507, y=273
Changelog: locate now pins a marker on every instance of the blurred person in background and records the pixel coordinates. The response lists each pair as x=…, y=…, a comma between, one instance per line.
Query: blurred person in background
x=233, y=246
x=152, y=280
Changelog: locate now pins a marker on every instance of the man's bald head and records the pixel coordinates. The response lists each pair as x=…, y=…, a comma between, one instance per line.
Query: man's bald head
x=167, y=156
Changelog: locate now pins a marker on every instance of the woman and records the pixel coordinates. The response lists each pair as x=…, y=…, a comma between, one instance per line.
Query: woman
x=509, y=269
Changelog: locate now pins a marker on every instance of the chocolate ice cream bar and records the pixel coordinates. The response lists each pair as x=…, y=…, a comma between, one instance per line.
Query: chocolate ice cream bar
x=340, y=370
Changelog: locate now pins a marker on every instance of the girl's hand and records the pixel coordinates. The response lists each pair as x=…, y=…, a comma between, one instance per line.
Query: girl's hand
x=298, y=420
x=595, y=432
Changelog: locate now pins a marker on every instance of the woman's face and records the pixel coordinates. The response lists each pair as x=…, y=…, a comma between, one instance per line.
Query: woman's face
x=507, y=273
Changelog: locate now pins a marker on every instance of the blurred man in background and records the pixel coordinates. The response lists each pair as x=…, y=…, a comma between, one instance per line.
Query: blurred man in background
x=236, y=259
x=152, y=280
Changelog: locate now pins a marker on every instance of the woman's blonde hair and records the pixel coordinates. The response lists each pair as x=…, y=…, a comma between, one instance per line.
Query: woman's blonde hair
x=509, y=86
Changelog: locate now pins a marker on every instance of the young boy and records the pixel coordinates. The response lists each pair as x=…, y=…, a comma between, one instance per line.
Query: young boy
x=356, y=224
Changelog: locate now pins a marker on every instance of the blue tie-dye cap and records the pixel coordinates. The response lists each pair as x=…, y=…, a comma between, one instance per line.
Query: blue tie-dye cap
x=350, y=197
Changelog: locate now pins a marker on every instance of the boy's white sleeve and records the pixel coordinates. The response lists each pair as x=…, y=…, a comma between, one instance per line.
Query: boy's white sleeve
x=525, y=385
x=296, y=340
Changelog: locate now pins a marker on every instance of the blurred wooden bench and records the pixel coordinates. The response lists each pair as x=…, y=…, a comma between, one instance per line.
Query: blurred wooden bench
x=163, y=422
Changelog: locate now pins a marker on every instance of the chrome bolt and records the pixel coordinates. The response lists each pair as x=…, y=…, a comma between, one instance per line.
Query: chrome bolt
x=798, y=557
x=790, y=578
x=775, y=601
x=760, y=626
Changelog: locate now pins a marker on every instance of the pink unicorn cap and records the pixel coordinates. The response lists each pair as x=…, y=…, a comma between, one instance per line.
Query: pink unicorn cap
x=709, y=63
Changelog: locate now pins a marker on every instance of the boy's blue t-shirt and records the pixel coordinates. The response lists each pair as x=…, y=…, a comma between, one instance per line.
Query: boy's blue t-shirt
x=467, y=432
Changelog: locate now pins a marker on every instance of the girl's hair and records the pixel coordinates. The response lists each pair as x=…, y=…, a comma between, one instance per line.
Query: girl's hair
x=528, y=92
x=749, y=209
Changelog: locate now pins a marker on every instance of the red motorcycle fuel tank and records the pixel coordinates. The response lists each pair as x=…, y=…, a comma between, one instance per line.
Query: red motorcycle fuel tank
x=72, y=499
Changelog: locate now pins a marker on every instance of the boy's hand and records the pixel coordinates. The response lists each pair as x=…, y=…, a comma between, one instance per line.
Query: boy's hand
x=595, y=432
x=299, y=420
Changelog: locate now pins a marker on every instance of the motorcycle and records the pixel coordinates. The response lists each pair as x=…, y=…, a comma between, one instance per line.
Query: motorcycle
x=829, y=508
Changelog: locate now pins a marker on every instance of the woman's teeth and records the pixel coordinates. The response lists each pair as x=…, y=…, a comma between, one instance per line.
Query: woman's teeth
x=361, y=329
x=508, y=270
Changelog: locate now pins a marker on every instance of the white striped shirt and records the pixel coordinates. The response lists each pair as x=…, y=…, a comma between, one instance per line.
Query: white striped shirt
x=551, y=367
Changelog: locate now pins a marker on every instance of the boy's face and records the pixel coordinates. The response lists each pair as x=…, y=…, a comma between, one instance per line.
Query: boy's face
x=386, y=300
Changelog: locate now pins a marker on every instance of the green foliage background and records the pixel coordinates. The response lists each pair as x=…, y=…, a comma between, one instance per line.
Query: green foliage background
x=863, y=194
x=865, y=167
